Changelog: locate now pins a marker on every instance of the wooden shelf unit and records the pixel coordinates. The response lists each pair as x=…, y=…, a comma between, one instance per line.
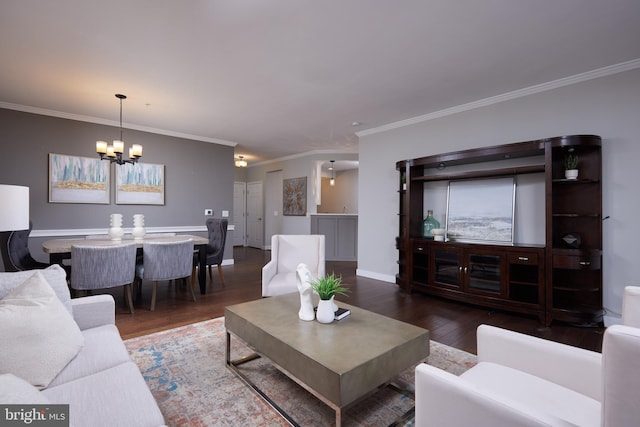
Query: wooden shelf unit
x=552, y=281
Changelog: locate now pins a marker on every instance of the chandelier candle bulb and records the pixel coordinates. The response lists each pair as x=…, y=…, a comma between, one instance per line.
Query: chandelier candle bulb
x=118, y=146
x=101, y=147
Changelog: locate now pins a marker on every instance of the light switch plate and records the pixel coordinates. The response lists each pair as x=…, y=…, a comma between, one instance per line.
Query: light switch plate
x=225, y=214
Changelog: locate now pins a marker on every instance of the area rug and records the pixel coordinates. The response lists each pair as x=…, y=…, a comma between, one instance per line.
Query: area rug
x=186, y=372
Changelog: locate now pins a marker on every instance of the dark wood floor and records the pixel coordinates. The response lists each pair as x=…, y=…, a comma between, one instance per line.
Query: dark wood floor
x=451, y=323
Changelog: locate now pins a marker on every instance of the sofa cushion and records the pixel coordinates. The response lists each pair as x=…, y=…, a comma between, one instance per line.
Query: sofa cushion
x=541, y=395
x=40, y=337
x=14, y=391
x=103, y=349
x=54, y=275
x=116, y=397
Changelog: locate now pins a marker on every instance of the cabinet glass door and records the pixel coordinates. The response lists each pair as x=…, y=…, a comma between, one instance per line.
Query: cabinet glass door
x=446, y=267
x=484, y=273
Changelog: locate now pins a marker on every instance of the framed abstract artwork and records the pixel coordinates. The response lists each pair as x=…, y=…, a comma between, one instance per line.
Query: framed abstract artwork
x=294, y=196
x=481, y=210
x=140, y=184
x=74, y=179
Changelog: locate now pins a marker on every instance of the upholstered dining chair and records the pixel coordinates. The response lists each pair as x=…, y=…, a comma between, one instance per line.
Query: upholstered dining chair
x=287, y=251
x=217, y=233
x=165, y=261
x=15, y=251
x=522, y=380
x=100, y=267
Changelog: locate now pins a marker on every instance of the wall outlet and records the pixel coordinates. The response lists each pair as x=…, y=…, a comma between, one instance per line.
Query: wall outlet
x=208, y=212
x=225, y=214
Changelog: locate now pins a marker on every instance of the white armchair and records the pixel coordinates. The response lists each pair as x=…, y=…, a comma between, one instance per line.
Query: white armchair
x=522, y=380
x=287, y=251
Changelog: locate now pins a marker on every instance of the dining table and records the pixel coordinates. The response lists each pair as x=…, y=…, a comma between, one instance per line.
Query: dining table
x=60, y=249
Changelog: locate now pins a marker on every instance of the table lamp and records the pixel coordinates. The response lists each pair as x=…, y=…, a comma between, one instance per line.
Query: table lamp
x=14, y=214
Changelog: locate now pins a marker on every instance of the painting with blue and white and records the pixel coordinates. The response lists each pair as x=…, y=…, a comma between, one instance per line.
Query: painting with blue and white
x=140, y=184
x=481, y=210
x=74, y=179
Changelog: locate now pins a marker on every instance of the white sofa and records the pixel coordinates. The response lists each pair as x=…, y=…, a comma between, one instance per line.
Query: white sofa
x=522, y=380
x=101, y=384
x=287, y=252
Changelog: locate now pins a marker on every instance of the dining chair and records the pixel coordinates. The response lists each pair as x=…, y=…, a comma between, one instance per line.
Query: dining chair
x=15, y=251
x=217, y=233
x=165, y=261
x=101, y=267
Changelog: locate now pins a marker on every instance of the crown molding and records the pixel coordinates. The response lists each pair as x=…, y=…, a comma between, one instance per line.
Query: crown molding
x=305, y=154
x=566, y=81
x=97, y=120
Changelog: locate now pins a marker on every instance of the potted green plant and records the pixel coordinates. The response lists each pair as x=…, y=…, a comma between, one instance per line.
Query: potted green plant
x=571, y=165
x=327, y=287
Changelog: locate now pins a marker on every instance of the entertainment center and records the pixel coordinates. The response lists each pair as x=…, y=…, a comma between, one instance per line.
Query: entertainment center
x=552, y=269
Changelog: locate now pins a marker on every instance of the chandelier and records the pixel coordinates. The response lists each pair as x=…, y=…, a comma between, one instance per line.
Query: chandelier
x=113, y=153
x=241, y=162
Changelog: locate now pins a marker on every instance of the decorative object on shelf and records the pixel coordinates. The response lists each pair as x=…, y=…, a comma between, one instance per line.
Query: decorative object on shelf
x=327, y=287
x=572, y=240
x=332, y=181
x=115, y=231
x=571, y=165
x=138, y=231
x=113, y=152
x=429, y=224
x=438, y=234
x=304, y=278
x=240, y=162
x=403, y=181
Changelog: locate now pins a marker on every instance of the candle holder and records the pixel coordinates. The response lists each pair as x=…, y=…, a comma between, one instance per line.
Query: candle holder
x=138, y=227
x=116, y=232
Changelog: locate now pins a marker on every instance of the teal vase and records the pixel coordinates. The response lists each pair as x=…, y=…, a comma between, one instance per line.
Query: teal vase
x=429, y=224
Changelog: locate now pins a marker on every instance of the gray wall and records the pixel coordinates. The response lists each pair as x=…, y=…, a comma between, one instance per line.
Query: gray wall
x=198, y=175
x=607, y=106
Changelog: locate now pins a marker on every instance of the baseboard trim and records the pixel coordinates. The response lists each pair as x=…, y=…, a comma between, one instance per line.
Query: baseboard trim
x=374, y=275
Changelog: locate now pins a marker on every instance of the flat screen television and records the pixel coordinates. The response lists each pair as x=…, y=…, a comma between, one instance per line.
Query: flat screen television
x=481, y=210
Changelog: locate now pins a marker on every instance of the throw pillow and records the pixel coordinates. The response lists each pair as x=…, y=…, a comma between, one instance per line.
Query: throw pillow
x=54, y=275
x=39, y=336
x=16, y=391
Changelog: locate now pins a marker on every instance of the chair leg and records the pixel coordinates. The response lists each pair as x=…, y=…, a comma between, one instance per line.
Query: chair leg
x=194, y=274
x=129, y=297
x=220, y=274
x=210, y=275
x=193, y=296
x=153, y=295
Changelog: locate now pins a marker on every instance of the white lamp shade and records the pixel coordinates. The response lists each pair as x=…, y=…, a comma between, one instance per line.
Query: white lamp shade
x=14, y=214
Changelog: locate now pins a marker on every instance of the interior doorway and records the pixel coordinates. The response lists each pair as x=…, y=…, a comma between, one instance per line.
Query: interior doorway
x=240, y=213
x=255, y=223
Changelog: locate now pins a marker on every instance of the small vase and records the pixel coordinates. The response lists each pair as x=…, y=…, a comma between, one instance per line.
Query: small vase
x=138, y=230
x=326, y=313
x=116, y=232
x=571, y=173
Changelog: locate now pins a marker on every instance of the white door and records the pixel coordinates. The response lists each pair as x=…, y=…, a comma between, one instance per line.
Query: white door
x=239, y=213
x=272, y=206
x=255, y=223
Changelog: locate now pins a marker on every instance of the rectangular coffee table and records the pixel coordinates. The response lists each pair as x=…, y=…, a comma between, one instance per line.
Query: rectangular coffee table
x=339, y=363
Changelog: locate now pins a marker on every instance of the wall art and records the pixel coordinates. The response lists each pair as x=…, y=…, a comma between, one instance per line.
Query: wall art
x=140, y=184
x=74, y=179
x=295, y=196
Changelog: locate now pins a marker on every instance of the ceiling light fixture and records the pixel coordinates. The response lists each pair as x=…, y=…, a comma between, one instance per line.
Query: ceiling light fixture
x=332, y=181
x=241, y=162
x=113, y=153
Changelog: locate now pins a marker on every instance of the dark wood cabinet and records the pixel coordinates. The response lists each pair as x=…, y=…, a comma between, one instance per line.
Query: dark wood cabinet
x=558, y=280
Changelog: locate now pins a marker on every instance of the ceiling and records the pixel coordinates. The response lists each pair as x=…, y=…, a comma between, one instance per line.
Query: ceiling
x=285, y=77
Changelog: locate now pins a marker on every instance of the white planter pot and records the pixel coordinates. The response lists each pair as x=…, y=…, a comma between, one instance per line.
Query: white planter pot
x=571, y=174
x=326, y=313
